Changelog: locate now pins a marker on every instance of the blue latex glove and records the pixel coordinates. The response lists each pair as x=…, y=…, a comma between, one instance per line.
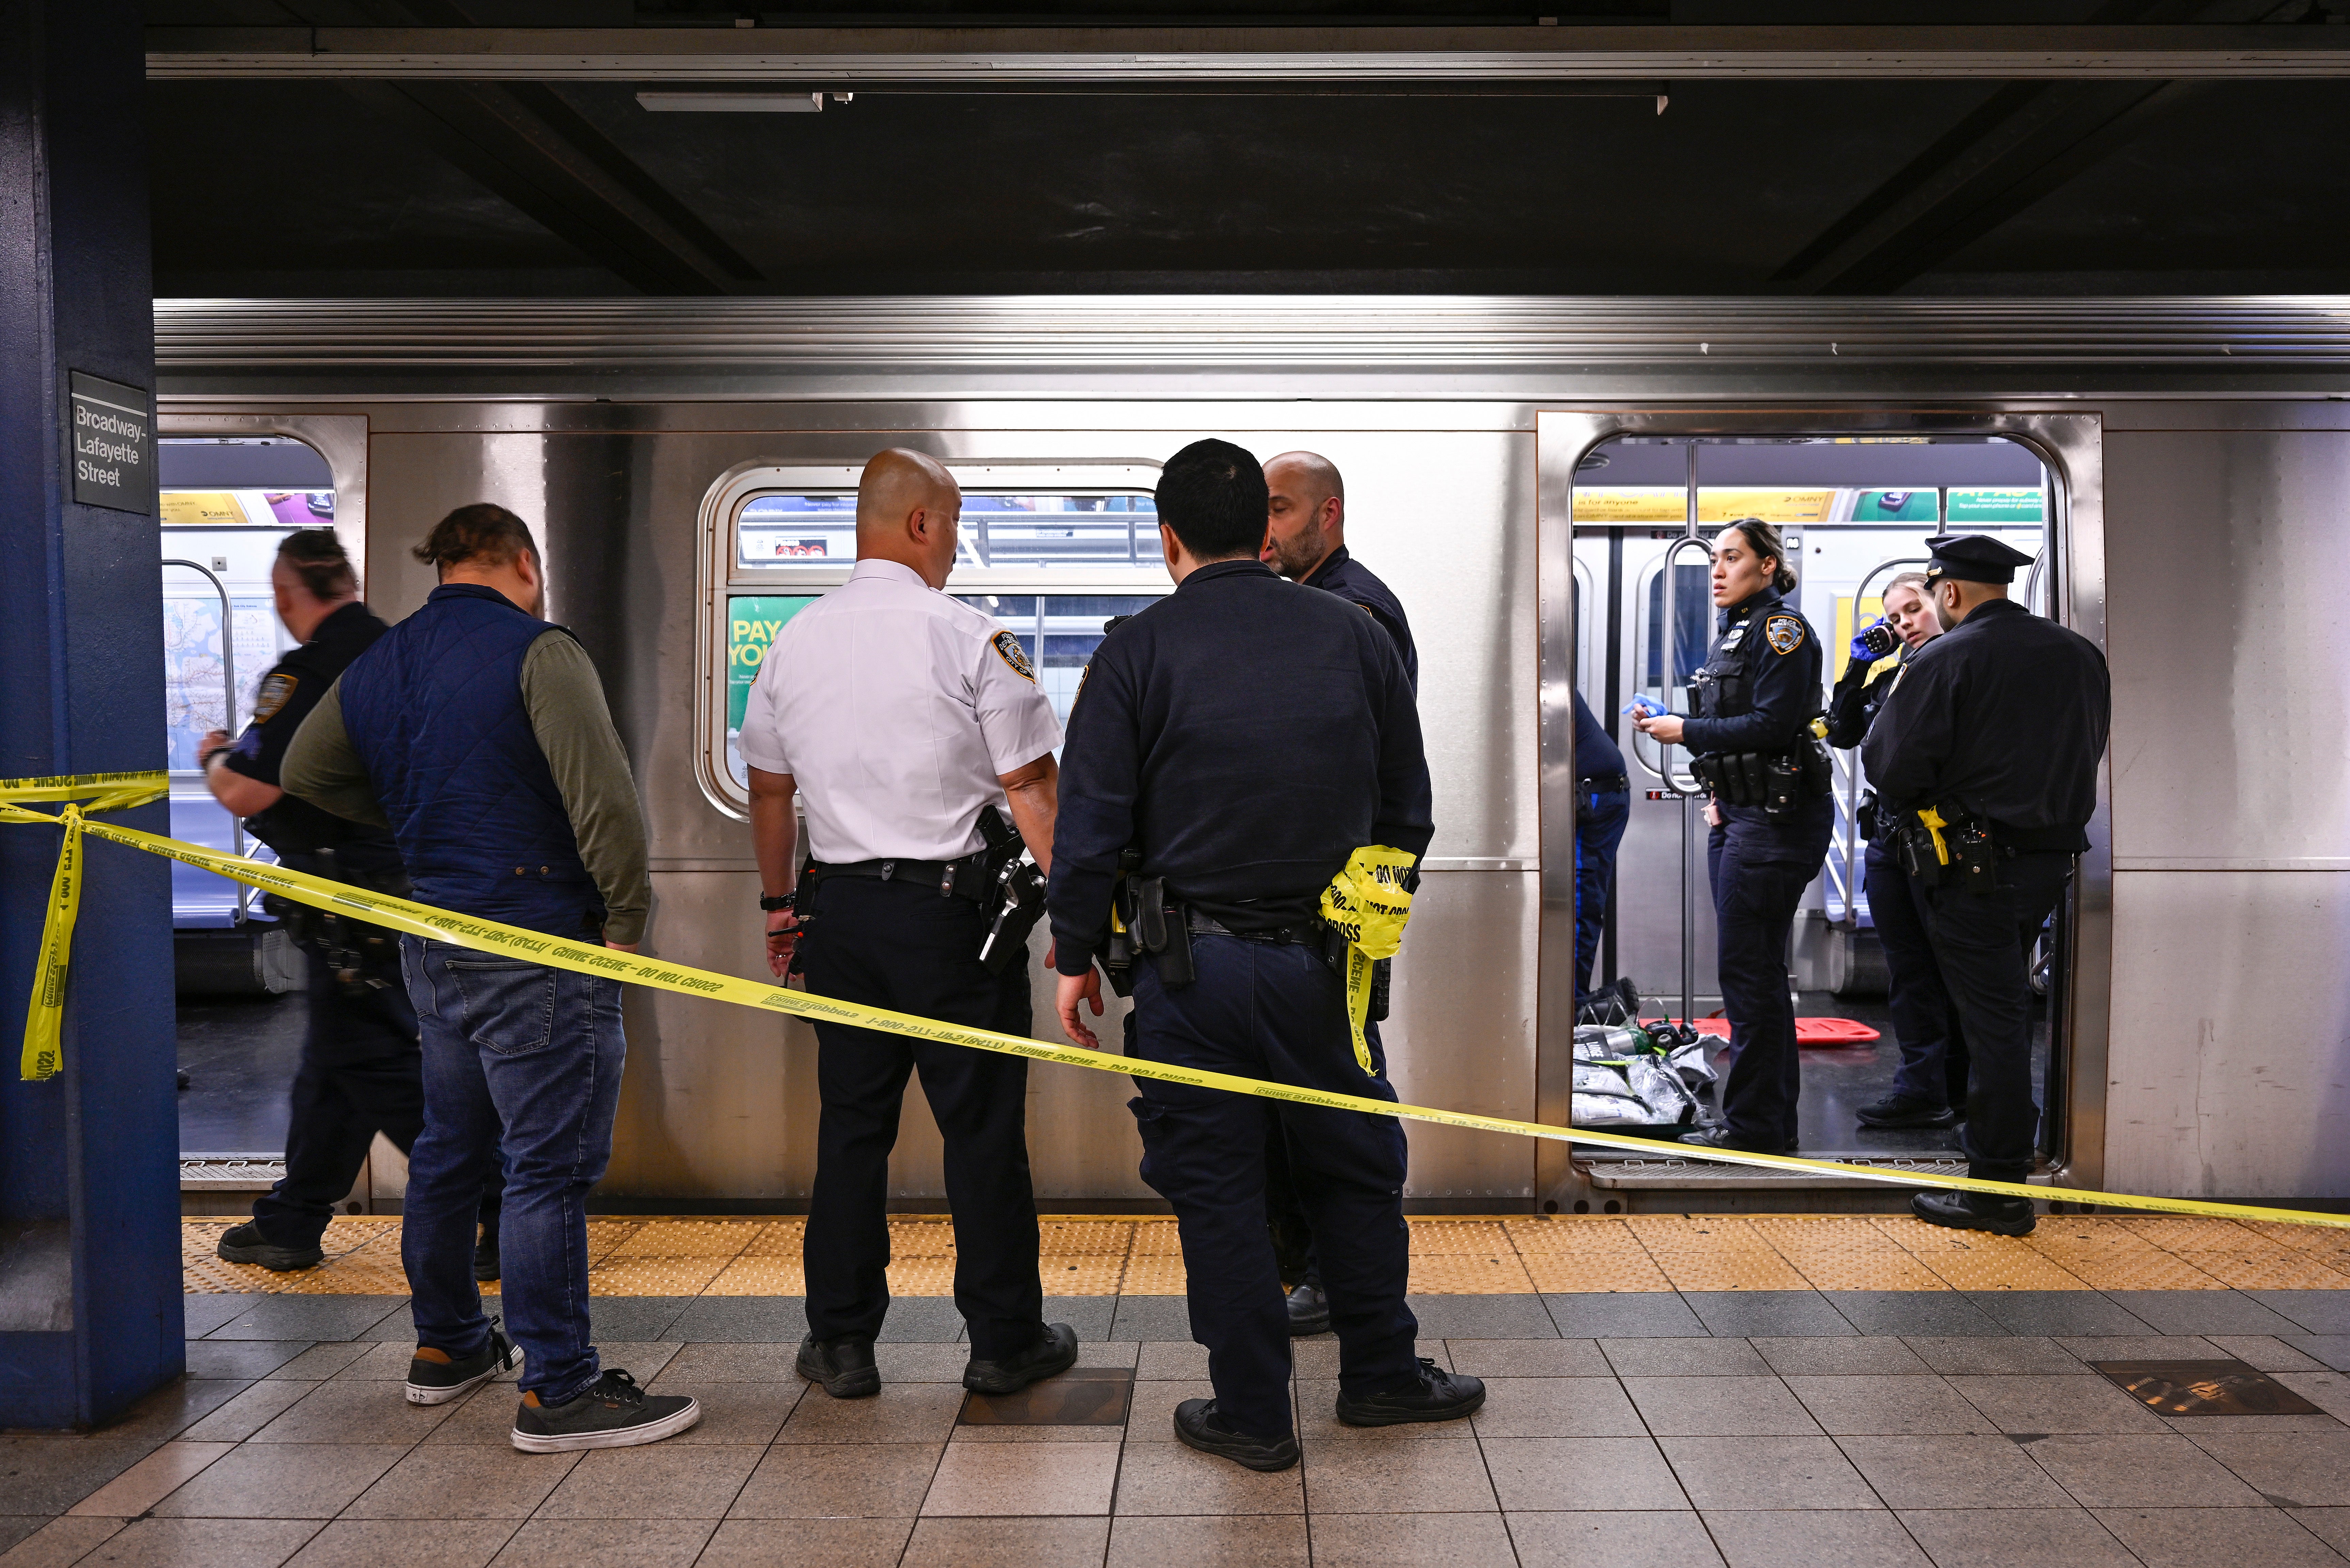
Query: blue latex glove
x=1643, y=708
x=1860, y=649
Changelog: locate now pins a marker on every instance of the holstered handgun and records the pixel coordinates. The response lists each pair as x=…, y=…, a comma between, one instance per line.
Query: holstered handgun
x=1016, y=889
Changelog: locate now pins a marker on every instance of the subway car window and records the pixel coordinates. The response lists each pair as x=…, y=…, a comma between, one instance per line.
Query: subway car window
x=1053, y=564
x=1854, y=513
x=226, y=503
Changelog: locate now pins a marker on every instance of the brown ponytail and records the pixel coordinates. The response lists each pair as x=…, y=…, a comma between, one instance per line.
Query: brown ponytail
x=1763, y=540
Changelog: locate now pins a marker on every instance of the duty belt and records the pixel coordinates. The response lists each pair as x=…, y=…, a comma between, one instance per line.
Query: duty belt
x=962, y=879
x=1309, y=935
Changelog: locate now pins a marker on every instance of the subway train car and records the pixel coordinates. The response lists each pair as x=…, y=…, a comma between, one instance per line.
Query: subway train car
x=1536, y=478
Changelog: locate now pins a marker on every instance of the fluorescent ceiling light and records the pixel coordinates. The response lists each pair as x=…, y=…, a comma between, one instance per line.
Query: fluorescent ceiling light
x=736, y=102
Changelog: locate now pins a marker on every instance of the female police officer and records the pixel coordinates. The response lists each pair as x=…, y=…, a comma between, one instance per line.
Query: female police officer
x=1770, y=815
x=1932, y=1077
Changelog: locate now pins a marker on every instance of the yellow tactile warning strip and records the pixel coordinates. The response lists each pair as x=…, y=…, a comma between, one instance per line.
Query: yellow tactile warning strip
x=1082, y=1256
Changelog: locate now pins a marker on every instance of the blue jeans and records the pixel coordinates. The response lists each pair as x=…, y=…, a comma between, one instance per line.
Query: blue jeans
x=525, y=1058
x=1597, y=837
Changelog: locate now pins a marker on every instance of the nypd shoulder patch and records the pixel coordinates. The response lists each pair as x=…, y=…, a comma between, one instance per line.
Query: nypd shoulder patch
x=1784, y=632
x=1007, y=648
x=275, y=689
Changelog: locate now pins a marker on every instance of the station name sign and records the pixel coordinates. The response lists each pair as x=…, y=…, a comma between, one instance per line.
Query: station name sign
x=113, y=445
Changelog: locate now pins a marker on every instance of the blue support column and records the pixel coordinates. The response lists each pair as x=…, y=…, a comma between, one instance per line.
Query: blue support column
x=89, y=1277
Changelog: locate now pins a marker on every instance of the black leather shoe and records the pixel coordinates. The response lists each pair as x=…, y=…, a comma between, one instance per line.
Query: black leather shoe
x=1975, y=1211
x=485, y=1262
x=1055, y=1351
x=842, y=1367
x=1901, y=1111
x=1720, y=1137
x=1309, y=1310
x=245, y=1244
x=1197, y=1425
x=1433, y=1395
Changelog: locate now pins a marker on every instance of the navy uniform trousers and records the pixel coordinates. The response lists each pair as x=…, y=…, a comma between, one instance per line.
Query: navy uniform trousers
x=1758, y=879
x=1983, y=941
x=1933, y=1068
x=1273, y=1010
x=899, y=945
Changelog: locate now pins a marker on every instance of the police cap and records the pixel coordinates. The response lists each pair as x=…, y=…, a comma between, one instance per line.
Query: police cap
x=1973, y=558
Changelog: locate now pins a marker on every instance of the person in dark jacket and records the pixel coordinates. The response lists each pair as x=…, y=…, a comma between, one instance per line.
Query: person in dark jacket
x=1988, y=747
x=360, y=1073
x=1244, y=738
x=1603, y=809
x=1757, y=694
x=478, y=734
x=1931, y=1078
x=1305, y=541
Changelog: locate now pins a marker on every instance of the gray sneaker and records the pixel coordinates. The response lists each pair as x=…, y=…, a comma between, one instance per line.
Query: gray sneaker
x=611, y=1413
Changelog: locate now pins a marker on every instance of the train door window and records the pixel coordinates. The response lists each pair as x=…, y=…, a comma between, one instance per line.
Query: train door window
x=226, y=503
x=1854, y=513
x=1054, y=550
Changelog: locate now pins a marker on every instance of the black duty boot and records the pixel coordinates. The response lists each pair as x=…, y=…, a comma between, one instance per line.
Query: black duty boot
x=1975, y=1211
x=485, y=1261
x=1721, y=1137
x=1197, y=1425
x=842, y=1367
x=1902, y=1111
x=1433, y=1395
x=1055, y=1351
x=611, y=1413
x=1309, y=1310
x=434, y=1377
x=245, y=1244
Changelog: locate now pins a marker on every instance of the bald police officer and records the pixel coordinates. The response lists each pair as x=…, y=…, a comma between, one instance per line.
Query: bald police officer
x=1984, y=757
x=1243, y=738
x=1305, y=541
x=903, y=718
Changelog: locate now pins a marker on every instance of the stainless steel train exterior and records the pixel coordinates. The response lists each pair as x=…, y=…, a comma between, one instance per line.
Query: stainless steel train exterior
x=2199, y=462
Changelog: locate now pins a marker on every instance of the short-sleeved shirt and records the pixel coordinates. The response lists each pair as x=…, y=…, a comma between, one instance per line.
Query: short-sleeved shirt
x=895, y=709
x=284, y=698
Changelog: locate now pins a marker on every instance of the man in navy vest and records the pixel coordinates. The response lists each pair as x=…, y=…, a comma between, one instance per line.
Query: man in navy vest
x=478, y=734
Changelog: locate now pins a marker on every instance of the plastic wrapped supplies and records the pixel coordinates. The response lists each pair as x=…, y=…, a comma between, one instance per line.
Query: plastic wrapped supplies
x=1648, y=1076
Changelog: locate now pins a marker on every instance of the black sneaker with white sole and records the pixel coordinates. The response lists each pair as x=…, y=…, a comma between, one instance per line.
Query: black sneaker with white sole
x=611, y=1413
x=436, y=1377
x=1431, y=1394
x=245, y=1244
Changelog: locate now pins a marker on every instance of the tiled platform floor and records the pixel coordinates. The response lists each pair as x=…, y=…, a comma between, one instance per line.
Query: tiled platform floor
x=1810, y=1429
x=1519, y=1255
x=1806, y=1390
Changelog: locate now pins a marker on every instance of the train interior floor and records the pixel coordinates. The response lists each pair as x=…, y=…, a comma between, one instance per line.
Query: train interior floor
x=1666, y=1390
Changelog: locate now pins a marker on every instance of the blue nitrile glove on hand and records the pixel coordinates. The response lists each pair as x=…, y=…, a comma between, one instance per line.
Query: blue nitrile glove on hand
x=1860, y=653
x=1643, y=708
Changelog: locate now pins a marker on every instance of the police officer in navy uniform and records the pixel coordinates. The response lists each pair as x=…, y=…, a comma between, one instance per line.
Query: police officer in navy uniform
x=362, y=1070
x=1986, y=752
x=1243, y=738
x=1931, y=1078
x=1305, y=541
x=1771, y=813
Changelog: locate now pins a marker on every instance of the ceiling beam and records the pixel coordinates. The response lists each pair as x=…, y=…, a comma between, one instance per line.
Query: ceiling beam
x=849, y=57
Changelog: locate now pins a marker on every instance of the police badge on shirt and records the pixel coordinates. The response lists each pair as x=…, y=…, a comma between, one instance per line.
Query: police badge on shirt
x=1007, y=648
x=1784, y=633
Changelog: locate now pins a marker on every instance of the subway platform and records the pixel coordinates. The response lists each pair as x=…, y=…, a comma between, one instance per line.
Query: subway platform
x=1665, y=1390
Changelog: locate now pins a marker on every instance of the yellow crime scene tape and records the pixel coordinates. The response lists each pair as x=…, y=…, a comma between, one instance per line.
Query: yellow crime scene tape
x=116, y=791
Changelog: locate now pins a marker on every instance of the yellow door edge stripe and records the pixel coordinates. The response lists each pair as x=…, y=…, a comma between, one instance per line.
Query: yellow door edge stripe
x=490, y=936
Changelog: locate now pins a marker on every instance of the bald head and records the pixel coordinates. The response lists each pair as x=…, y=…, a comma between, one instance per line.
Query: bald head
x=908, y=506
x=1305, y=518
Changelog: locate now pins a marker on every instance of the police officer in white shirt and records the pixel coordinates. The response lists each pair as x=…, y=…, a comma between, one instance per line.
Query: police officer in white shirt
x=901, y=717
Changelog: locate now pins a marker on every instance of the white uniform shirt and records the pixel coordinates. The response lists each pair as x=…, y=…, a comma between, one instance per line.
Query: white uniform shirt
x=895, y=708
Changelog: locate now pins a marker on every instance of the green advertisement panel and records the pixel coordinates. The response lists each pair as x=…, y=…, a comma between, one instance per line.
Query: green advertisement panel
x=752, y=623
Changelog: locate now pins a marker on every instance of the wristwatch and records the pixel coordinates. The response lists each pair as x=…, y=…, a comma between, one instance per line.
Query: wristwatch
x=772, y=904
